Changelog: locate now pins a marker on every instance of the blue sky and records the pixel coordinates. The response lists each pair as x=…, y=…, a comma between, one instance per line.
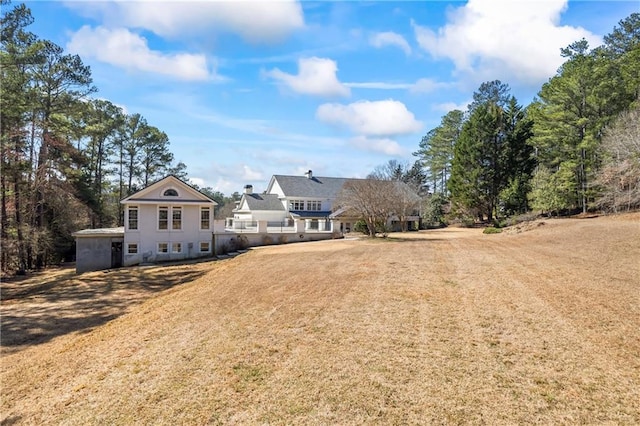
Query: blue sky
x=245, y=90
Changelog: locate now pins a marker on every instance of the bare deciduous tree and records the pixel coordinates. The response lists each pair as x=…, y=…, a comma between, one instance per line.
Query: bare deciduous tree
x=620, y=175
x=376, y=201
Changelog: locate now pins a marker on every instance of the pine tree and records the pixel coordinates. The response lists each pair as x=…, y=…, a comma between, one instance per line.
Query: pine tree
x=436, y=150
x=492, y=162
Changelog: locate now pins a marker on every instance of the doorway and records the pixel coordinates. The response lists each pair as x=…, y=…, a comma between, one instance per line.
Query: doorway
x=116, y=255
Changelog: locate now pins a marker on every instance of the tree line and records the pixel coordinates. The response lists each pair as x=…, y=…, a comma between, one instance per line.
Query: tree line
x=67, y=157
x=575, y=148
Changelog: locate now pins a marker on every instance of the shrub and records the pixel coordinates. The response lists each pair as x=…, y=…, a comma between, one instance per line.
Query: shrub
x=242, y=242
x=491, y=230
x=224, y=249
x=361, y=226
x=266, y=240
x=467, y=221
x=433, y=215
x=282, y=239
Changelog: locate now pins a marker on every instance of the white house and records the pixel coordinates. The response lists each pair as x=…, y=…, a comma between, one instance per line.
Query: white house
x=168, y=220
x=289, y=198
x=171, y=220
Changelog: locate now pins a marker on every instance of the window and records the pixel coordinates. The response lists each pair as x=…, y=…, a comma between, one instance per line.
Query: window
x=133, y=217
x=205, y=217
x=176, y=223
x=170, y=193
x=163, y=248
x=132, y=248
x=163, y=217
x=314, y=206
x=176, y=247
x=204, y=247
x=296, y=205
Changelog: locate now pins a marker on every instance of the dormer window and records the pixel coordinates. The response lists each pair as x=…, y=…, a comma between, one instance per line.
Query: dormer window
x=170, y=193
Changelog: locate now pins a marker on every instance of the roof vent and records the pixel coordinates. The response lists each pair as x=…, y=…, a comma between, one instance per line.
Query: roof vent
x=309, y=174
x=248, y=189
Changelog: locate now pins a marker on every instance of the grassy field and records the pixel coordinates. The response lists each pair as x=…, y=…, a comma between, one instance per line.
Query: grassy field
x=538, y=325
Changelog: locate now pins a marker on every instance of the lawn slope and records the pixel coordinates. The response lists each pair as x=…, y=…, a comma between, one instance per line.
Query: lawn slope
x=446, y=326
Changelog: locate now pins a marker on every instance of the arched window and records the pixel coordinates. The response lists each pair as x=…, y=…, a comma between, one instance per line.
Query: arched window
x=170, y=193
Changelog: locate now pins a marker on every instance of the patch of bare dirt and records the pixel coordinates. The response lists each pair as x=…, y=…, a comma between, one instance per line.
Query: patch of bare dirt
x=443, y=326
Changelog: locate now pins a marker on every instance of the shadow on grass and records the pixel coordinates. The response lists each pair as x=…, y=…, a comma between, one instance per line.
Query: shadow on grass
x=45, y=307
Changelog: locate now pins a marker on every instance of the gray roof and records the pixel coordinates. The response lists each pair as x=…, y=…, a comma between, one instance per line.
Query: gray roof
x=100, y=232
x=263, y=202
x=315, y=187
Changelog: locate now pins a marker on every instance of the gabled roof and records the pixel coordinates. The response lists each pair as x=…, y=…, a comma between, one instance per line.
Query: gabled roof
x=154, y=193
x=315, y=187
x=262, y=202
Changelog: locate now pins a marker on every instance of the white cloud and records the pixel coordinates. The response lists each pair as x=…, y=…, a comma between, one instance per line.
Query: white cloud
x=259, y=21
x=450, y=106
x=371, y=118
x=380, y=85
x=379, y=145
x=199, y=182
x=248, y=174
x=229, y=177
x=124, y=49
x=225, y=186
x=390, y=38
x=316, y=76
x=504, y=39
x=423, y=85
x=427, y=85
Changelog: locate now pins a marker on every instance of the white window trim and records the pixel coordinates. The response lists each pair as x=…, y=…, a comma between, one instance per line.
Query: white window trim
x=299, y=202
x=173, y=245
x=158, y=209
x=170, y=210
x=137, y=208
x=129, y=248
x=163, y=252
x=210, y=210
x=171, y=197
x=208, y=250
x=316, y=204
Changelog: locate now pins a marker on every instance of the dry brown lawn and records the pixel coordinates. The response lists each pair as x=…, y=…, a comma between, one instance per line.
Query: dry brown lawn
x=438, y=327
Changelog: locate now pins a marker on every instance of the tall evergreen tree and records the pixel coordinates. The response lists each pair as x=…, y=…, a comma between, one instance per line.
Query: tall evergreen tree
x=622, y=46
x=60, y=81
x=155, y=155
x=436, y=150
x=519, y=159
x=572, y=109
x=492, y=158
x=103, y=122
x=494, y=92
x=128, y=145
x=19, y=51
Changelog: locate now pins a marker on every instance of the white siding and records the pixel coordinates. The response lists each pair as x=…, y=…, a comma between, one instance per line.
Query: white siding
x=148, y=236
x=275, y=189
